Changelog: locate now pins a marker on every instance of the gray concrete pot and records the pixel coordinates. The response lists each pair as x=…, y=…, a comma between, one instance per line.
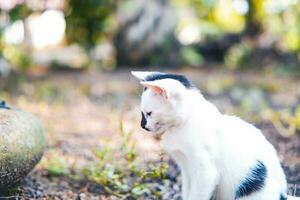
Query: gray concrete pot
x=22, y=143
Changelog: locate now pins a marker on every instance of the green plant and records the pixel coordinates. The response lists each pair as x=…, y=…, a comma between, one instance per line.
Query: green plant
x=18, y=57
x=237, y=56
x=118, y=170
x=286, y=122
x=55, y=164
x=191, y=57
x=89, y=22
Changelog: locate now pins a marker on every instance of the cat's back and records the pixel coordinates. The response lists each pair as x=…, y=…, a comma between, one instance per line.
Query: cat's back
x=239, y=131
x=243, y=139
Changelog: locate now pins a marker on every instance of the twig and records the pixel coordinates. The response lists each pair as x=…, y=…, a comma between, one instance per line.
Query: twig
x=295, y=190
x=8, y=197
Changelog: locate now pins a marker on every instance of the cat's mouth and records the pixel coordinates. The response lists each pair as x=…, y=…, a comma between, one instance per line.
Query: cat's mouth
x=160, y=129
x=155, y=130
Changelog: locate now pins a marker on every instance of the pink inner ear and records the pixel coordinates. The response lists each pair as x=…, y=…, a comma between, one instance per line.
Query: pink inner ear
x=156, y=89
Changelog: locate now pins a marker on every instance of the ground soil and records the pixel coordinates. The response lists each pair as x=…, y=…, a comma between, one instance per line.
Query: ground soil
x=82, y=109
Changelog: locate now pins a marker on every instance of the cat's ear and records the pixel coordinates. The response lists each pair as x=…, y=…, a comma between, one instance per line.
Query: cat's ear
x=141, y=75
x=167, y=88
x=156, y=87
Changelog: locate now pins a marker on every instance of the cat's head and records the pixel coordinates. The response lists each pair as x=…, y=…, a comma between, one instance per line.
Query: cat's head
x=162, y=102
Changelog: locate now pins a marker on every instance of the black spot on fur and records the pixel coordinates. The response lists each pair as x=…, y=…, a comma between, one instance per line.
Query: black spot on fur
x=182, y=79
x=3, y=105
x=283, y=197
x=254, y=181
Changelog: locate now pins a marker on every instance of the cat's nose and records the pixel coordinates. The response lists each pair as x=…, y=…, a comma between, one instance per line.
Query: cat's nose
x=144, y=122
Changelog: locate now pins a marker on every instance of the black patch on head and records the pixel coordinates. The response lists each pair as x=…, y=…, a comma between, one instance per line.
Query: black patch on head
x=254, y=181
x=182, y=79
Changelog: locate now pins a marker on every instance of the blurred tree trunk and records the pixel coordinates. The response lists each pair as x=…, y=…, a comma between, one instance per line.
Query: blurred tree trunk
x=253, y=24
x=146, y=34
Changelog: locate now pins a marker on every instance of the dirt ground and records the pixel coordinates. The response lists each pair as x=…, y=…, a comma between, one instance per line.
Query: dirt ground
x=83, y=110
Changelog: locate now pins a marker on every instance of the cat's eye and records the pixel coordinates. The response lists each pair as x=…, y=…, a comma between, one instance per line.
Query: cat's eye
x=148, y=114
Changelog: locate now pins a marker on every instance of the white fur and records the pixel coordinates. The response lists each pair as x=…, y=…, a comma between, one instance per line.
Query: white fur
x=214, y=151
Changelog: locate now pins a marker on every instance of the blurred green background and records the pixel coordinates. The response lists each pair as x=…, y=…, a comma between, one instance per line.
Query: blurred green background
x=109, y=34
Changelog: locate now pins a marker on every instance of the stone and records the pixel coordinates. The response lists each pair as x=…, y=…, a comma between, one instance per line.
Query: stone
x=22, y=143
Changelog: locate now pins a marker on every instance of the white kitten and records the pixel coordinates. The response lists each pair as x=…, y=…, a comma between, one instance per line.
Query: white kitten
x=217, y=154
